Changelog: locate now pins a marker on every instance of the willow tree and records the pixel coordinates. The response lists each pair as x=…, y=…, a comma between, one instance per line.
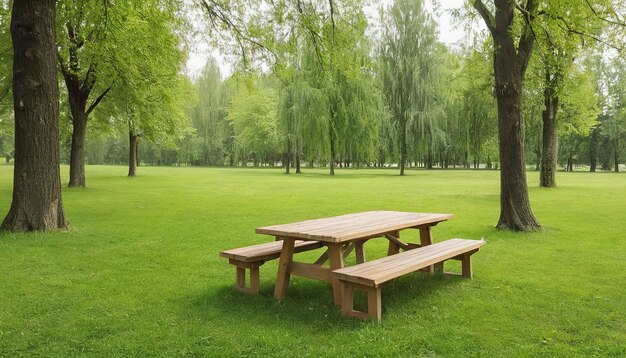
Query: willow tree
x=614, y=125
x=208, y=117
x=407, y=53
x=37, y=203
x=253, y=116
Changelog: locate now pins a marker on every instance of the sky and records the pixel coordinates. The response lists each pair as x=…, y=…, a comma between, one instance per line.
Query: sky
x=448, y=34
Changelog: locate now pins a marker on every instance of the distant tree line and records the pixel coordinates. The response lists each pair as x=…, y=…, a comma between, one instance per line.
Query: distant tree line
x=314, y=85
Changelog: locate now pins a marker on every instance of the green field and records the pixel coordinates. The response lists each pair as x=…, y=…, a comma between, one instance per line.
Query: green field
x=139, y=272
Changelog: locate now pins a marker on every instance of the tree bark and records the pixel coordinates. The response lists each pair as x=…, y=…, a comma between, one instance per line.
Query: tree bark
x=403, y=146
x=549, y=153
x=510, y=63
x=37, y=203
x=593, y=149
x=77, y=154
x=332, y=151
x=287, y=156
x=298, y=171
x=133, y=141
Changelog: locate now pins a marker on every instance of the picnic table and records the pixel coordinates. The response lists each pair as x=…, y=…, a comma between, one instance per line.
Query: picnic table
x=341, y=235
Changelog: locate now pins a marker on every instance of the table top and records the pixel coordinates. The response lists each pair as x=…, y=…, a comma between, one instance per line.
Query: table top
x=353, y=226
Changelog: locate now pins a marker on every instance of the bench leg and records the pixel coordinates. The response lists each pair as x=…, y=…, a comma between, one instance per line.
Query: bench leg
x=466, y=266
x=255, y=280
x=374, y=302
x=240, y=280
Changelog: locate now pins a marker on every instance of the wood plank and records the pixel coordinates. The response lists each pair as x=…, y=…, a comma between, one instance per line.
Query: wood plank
x=408, y=262
x=379, y=271
x=392, y=261
x=379, y=277
x=310, y=270
x=347, y=227
x=399, y=244
x=267, y=251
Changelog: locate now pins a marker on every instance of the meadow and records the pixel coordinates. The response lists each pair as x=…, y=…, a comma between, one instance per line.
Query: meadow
x=139, y=272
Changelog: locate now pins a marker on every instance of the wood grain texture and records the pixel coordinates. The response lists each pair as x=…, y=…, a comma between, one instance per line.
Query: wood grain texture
x=348, y=227
x=379, y=271
x=267, y=251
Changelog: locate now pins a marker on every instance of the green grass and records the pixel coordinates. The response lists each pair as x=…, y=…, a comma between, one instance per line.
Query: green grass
x=139, y=272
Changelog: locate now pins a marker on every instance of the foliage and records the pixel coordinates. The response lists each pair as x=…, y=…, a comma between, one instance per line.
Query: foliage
x=410, y=77
x=252, y=114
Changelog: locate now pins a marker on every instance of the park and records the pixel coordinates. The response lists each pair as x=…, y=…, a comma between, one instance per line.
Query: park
x=312, y=178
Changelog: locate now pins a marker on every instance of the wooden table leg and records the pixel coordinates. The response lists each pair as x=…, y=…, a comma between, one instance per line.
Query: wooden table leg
x=425, y=240
x=425, y=236
x=360, y=253
x=393, y=248
x=335, y=256
x=282, y=280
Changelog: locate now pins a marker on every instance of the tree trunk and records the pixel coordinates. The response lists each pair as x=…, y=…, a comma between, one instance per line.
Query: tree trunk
x=549, y=153
x=593, y=146
x=512, y=50
x=287, y=157
x=616, y=161
x=298, y=171
x=538, y=154
x=133, y=141
x=77, y=154
x=37, y=202
x=515, y=212
x=403, y=146
x=570, y=161
x=332, y=151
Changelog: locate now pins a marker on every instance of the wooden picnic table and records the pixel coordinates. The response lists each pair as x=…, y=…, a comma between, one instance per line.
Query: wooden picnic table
x=341, y=234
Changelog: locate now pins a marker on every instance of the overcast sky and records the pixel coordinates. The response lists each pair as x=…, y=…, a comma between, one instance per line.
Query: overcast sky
x=448, y=33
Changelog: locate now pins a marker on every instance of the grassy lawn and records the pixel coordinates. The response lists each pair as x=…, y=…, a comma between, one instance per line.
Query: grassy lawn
x=139, y=273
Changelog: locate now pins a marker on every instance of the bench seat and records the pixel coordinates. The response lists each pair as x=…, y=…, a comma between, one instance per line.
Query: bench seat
x=371, y=275
x=251, y=257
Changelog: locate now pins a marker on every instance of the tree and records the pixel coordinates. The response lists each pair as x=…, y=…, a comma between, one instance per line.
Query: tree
x=253, y=115
x=7, y=124
x=409, y=71
x=37, y=202
x=614, y=125
x=513, y=43
x=103, y=46
x=208, y=117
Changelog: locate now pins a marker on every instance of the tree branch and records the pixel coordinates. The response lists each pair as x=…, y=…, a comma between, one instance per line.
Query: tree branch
x=215, y=12
x=90, y=79
x=487, y=16
x=618, y=22
x=572, y=30
x=527, y=40
x=97, y=101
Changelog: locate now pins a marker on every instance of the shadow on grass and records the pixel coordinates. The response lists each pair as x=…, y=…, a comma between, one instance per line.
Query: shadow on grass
x=309, y=304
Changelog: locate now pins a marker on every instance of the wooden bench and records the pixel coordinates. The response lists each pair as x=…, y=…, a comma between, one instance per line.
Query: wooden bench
x=251, y=257
x=371, y=275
